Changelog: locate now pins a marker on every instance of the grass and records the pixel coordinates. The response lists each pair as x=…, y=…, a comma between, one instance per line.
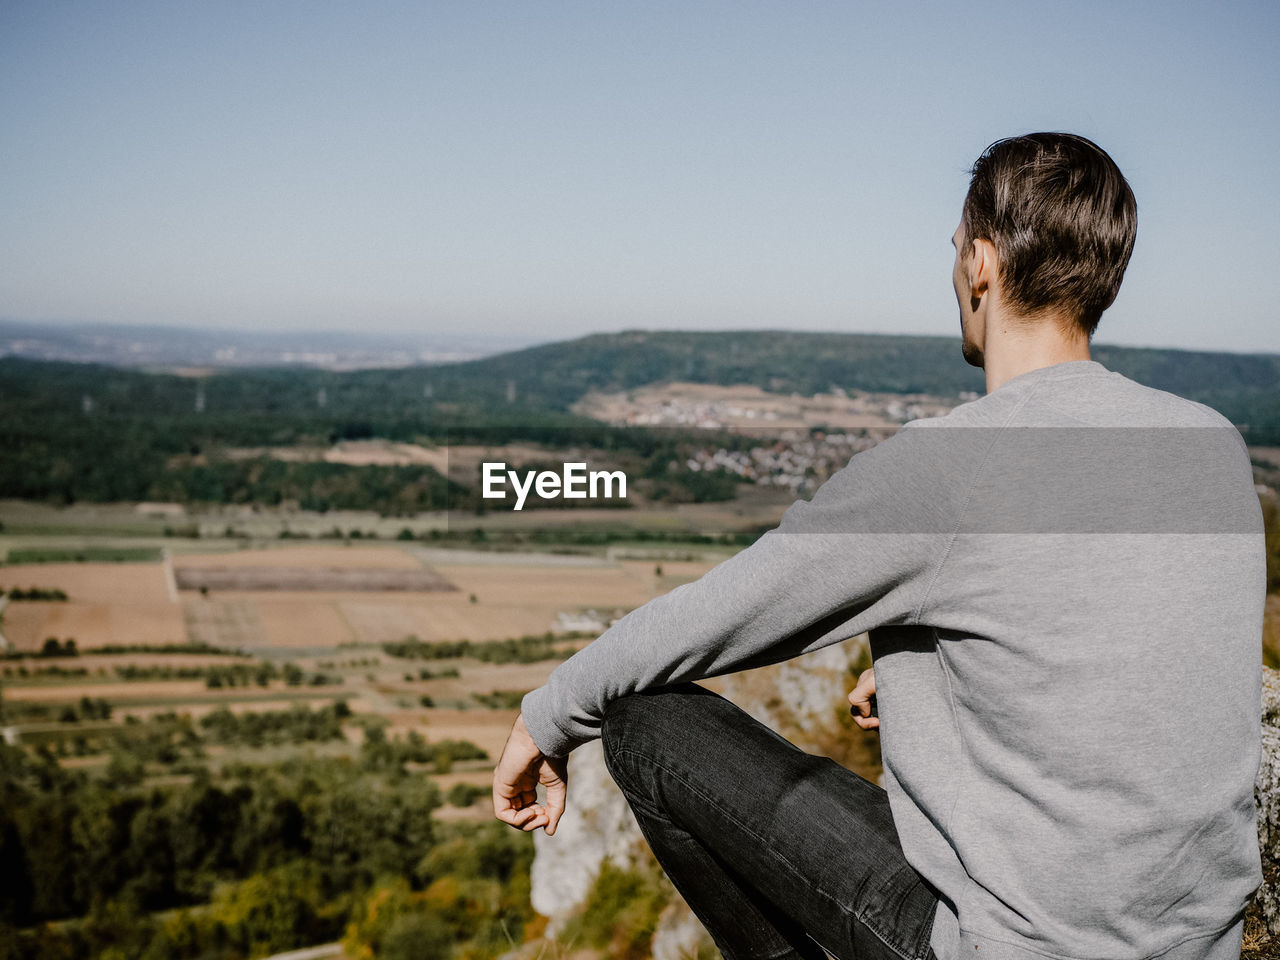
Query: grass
x=83, y=555
x=1258, y=943
x=500, y=699
x=86, y=529
x=231, y=699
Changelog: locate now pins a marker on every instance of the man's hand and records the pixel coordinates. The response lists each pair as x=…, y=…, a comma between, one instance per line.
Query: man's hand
x=862, y=701
x=515, y=781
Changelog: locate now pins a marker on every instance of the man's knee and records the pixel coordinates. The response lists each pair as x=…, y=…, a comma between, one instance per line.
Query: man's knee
x=627, y=716
x=638, y=731
x=652, y=721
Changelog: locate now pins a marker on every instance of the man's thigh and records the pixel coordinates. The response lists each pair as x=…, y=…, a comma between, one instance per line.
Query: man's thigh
x=813, y=838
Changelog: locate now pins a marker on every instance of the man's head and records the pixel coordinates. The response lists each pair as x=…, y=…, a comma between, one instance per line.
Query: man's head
x=1051, y=219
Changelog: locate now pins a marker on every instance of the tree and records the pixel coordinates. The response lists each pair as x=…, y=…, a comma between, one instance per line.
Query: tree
x=124, y=769
x=273, y=911
x=15, y=878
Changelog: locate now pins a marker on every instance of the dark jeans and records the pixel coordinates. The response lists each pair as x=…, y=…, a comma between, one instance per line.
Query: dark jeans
x=768, y=845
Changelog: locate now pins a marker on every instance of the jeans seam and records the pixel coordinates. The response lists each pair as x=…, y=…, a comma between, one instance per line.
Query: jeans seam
x=873, y=927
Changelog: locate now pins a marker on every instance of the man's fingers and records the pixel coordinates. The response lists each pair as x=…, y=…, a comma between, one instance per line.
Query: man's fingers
x=509, y=815
x=860, y=696
x=510, y=797
x=859, y=702
x=555, y=805
x=515, y=783
x=512, y=810
x=521, y=809
x=515, y=778
x=519, y=818
x=522, y=817
x=526, y=818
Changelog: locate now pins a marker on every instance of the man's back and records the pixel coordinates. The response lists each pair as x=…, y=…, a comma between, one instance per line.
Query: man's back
x=1069, y=720
x=1064, y=584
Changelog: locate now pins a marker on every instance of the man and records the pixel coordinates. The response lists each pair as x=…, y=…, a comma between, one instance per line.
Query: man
x=1063, y=583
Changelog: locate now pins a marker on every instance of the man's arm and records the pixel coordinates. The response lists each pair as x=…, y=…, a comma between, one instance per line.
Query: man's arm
x=855, y=557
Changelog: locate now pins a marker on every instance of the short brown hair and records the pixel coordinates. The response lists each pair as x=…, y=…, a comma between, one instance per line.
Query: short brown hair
x=1062, y=219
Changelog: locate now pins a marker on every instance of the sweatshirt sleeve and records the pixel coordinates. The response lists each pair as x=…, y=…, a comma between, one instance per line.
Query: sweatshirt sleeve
x=854, y=557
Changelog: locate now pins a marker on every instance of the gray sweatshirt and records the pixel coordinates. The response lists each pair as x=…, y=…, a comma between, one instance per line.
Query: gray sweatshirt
x=1063, y=583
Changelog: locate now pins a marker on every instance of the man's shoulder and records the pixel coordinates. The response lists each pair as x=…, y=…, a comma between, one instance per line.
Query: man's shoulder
x=1110, y=399
x=993, y=410
x=1082, y=395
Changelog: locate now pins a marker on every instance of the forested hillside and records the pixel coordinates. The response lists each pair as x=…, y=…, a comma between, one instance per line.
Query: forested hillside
x=86, y=432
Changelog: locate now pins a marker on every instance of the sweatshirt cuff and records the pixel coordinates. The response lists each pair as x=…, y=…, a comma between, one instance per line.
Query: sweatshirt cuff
x=536, y=713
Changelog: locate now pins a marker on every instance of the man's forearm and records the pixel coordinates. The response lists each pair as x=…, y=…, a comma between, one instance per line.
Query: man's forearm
x=820, y=577
x=786, y=595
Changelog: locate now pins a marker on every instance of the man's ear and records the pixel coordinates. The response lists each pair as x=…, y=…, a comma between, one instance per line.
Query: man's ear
x=982, y=268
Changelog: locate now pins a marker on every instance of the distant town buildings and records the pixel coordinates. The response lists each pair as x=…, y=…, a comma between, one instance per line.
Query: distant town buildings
x=803, y=439
x=799, y=464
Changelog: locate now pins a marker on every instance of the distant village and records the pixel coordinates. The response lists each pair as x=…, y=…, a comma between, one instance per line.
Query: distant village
x=803, y=439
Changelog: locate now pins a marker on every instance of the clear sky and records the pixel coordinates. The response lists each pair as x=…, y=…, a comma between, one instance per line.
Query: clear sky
x=554, y=169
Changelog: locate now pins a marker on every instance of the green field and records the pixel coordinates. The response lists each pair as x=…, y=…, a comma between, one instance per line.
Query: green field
x=83, y=555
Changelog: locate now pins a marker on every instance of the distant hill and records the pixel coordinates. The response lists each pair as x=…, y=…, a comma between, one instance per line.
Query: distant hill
x=779, y=360
x=548, y=378
x=152, y=347
x=90, y=432
x=1244, y=387
x=790, y=361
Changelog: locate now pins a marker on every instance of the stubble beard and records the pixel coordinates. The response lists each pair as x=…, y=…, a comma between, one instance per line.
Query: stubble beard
x=971, y=351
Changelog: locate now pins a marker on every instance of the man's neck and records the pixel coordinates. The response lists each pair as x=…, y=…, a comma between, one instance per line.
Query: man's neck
x=1020, y=348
